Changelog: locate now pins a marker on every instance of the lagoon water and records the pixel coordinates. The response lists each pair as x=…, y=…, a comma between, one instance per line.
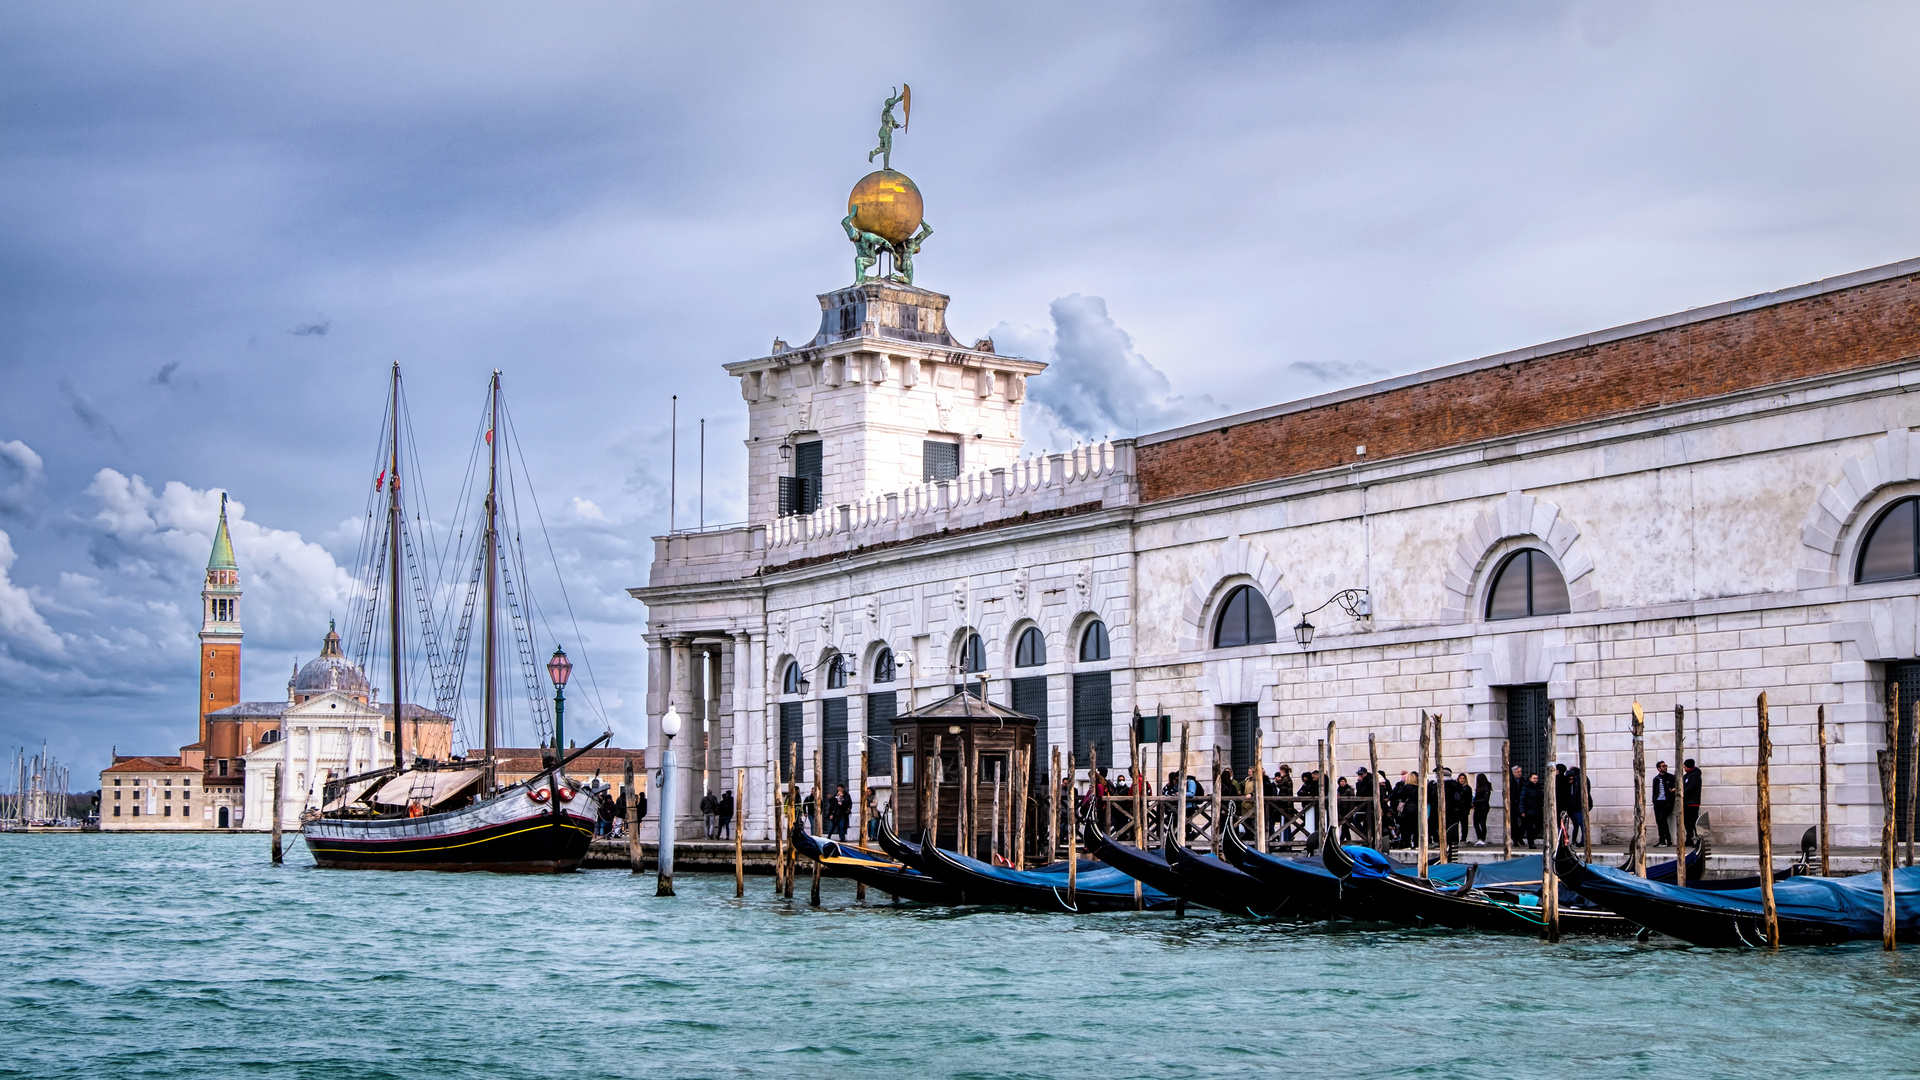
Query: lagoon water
x=178, y=956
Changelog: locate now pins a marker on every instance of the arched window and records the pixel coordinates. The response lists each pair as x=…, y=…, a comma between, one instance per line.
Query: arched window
x=1892, y=550
x=1031, y=651
x=790, y=678
x=837, y=672
x=973, y=655
x=1527, y=583
x=883, y=666
x=1093, y=642
x=1245, y=619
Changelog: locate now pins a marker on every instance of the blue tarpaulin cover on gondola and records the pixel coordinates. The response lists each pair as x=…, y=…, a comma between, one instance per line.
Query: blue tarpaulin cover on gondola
x=1368, y=863
x=1848, y=906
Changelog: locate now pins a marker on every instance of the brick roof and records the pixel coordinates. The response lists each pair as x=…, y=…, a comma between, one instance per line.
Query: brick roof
x=1835, y=326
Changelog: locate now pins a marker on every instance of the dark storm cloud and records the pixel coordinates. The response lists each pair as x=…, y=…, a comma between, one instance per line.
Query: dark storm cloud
x=607, y=201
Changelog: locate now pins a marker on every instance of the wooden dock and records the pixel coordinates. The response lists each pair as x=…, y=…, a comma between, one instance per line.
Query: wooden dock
x=691, y=856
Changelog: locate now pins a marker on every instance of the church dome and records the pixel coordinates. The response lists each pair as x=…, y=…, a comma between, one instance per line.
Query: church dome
x=331, y=670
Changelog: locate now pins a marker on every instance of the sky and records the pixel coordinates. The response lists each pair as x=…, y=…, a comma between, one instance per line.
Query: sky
x=221, y=224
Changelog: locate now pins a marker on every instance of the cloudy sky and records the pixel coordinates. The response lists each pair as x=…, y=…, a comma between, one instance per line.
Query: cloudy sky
x=221, y=223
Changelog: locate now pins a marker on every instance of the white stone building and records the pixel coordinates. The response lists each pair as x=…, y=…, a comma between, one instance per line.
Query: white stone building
x=1685, y=512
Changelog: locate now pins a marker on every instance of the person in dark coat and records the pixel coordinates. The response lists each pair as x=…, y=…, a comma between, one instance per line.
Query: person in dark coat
x=1482, y=804
x=1532, y=801
x=1562, y=795
x=839, y=807
x=723, y=814
x=1459, y=808
x=1663, y=803
x=1343, y=808
x=1406, y=809
x=1690, y=791
x=1363, y=807
x=1577, y=799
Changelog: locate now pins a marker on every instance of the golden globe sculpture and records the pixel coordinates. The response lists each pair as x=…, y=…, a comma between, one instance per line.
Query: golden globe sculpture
x=887, y=204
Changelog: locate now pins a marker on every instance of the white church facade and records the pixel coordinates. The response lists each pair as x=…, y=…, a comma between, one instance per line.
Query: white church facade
x=1686, y=512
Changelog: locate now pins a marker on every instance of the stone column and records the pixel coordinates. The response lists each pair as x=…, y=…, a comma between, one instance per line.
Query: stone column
x=748, y=752
x=680, y=698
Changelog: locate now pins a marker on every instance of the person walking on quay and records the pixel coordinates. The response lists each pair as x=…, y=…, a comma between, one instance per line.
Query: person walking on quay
x=1690, y=791
x=1532, y=798
x=707, y=802
x=1283, y=790
x=1363, y=792
x=1577, y=805
x=1309, y=795
x=839, y=807
x=620, y=813
x=1516, y=799
x=723, y=815
x=1663, y=803
x=1459, y=808
x=1406, y=809
x=1343, y=808
x=1482, y=804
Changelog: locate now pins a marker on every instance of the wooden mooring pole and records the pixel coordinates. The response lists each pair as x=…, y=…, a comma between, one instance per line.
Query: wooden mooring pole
x=1637, y=846
x=636, y=857
x=1582, y=793
x=793, y=811
x=1507, y=795
x=1420, y=787
x=1053, y=805
x=279, y=780
x=860, y=822
x=1376, y=811
x=739, y=846
x=1333, y=785
x=1679, y=810
x=1888, y=766
x=1763, y=817
x=1180, y=796
x=1259, y=793
x=1073, y=838
x=1440, y=793
x=1820, y=720
x=1139, y=827
x=819, y=810
x=1549, y=882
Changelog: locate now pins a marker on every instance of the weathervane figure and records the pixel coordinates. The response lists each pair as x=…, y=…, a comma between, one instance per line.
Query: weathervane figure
x=903, y=97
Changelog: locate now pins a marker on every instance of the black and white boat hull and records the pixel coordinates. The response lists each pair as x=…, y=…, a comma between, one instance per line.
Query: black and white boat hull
x=512, y=832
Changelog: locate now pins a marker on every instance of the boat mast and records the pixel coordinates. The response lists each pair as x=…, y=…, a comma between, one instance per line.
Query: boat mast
x=393, y=568
x=489, y=697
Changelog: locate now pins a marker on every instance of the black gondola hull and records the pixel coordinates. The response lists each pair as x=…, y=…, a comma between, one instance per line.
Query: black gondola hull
x=545, y=843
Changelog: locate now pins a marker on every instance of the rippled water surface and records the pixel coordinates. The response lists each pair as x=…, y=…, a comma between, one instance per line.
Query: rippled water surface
x=175, y=956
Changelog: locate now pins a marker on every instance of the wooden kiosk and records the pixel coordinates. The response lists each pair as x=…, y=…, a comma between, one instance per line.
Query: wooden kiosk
x=956, y=767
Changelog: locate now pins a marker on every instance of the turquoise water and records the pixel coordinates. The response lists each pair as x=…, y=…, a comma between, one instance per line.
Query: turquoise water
x=134, y=956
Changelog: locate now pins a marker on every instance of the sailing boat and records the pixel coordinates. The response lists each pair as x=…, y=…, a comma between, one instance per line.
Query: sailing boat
x=452, y=815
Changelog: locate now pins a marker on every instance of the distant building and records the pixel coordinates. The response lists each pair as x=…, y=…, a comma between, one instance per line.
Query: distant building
x=151, y=793
x=328, y=726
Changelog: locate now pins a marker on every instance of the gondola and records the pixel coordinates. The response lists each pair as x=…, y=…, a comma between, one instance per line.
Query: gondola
x=1812, y=910
x=1464, y=904
x=904, y=852
x=1243, y=893
x=872, y=869
x=1097, y=886
x=1152, y=869
x=1302, y=885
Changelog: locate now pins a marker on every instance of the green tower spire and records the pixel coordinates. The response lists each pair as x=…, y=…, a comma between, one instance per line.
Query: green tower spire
x=222, y=557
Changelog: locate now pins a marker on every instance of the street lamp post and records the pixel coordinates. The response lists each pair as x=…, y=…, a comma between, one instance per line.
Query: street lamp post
x=558, y=669
x=669, y=727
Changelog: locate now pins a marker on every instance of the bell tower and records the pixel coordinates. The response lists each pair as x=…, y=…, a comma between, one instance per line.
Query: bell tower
x=219, y=627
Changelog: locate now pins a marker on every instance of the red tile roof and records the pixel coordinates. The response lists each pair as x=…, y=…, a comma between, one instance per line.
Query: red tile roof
x=139, y=763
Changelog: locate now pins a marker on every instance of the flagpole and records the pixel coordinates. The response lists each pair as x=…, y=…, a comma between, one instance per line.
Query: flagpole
x=673, y=459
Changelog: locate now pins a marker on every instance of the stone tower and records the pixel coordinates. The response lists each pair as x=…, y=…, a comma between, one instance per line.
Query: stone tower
x=219, y=627
x=881, y=398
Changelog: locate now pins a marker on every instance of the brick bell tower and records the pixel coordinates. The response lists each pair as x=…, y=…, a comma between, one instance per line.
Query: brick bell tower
x=219, y=627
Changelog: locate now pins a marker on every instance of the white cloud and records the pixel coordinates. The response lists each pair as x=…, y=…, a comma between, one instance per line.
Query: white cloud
x=1097, y=385
x=21, y=474
x=22, y=628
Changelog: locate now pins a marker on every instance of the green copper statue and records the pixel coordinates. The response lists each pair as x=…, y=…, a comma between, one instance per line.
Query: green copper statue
x=902, y=96
x=866, y=247
x=903, y=254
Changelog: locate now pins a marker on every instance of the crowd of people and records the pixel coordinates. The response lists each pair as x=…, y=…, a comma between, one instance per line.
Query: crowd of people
x=1457, y=803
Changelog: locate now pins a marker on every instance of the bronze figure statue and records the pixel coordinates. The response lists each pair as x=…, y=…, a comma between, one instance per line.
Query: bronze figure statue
x=902, y=96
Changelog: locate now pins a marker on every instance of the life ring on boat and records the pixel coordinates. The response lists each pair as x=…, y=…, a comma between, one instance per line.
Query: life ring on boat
x=538, y=794
x=566, y=794
x=414, y=809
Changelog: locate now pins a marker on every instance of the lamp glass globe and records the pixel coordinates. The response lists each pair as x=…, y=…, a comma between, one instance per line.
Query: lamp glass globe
x=670, y=723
